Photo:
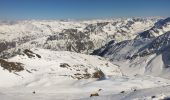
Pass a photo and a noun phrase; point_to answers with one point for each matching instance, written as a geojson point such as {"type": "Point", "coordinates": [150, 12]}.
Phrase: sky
{"type": "Point", "coordinates": [82, 9]}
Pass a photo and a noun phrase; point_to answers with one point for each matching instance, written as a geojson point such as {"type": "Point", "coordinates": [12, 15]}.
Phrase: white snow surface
{"type": "Point", "coordinates": [63, 75]}
{"type": "Point", "coordinates": [99, 32]}
{"type": "Point", "coordinates": [49, 81]}
{"type": "Point", "coordinates": [49, 66]}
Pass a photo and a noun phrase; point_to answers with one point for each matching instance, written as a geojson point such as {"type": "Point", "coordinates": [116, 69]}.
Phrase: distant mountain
{"type": "Point", "coordinates": [77, 36]}
{"type": "Point", "coordinates": [160, 27]}
{"type": "Point", "coordinates": [146, 54]}
{"type": "Point", "coordinates": [51, 59]}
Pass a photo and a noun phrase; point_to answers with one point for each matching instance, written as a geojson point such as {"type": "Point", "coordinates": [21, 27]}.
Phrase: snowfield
{"type": "Point", "coordinates": [50, 81]}
{"type": "Point", "coordinates": [66, 90]}
{"type": "Point", "coordinates": [56, 64]}
{"type": "Point", "coordinates": [113, 59]}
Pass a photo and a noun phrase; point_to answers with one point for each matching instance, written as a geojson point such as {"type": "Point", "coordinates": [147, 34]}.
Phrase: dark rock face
{"type": "Point", "coordinates": [158, 45]}
{"type": "Point", "coordinates": [11, 66]}
{"type": "Point", "coordinates": [74, 40]}
{"type": "Point", "coordinates": [94, 94]}
{"type": "Point", "coordinates": [158, 25]}
{"type": "Point", "coordinates": [103, 50]}
{"type": "Point", "coordinates": [112, 50]}
{"type": "Point", "coordinates": [6, 45]}
{"type": "Point", "coordinates": [31, 54]}
{"type": "Point", "coordinates": [145, 34]}
{"type": "Point", "coordinates": [64, 65]}
{"type": "Point", "coordinates": [14, 44]}
{"type": "Point", "coordinates": [95, 27]}
{"type": "Point", "coordinates": [98, 74]}
{"type": "Point", "coordinates": [162, 22]}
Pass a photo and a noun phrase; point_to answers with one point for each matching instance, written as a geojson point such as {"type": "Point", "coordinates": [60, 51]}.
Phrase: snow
{"type": "Point", "coordinates": [143, 55]}
{"type": "Point", "coordinates": [99, 31]}
{"type": "Point", "coordinates": [72, 89]}
{"type": "Point", "coordinates": [66, 75]}
{"type": "Point", "coordinates": [50, 66]}
{"type": "Point", "coordinates": [50, 81]}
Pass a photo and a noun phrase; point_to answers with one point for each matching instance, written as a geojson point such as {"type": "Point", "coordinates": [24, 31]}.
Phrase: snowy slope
{"type": "Point", "coordinates": [63, 75]}
{"type": "Point", "coordinates": [159, 93]}
{"type": "Point", "coordinates": [55, 65]}
{"type": "Point", "coordinates": [110, 89]}
{"type": "Point", "coordinates": [77, 36]}
{"type": "Point", "coordinates": [159, 28]}
{"type": "Point", "coordinates": [146, 54]}
{"type": "Point", "coordinates": [38, 59]}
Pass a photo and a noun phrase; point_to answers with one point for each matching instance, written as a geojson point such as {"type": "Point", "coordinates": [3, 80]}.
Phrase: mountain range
{"type": "Point", "coordinates": [121, 59]}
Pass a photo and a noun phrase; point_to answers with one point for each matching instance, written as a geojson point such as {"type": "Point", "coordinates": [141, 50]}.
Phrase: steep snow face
{"type": "Point", "coordinates": [122, 50]}
{"type": "Point", "coordinates": [77, 36]}
{"type": "Point", "coordinates": [159, 28]}
{"type": "Point", "coordinates": [146, 54]}
{"type": "Point", "coordinates": [158, 45]}
{"type": "Point", "coordinates": [43, 67]}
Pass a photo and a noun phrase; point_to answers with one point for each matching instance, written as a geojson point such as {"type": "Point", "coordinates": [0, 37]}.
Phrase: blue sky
{"type": "Point", "coordinates": [82, 9]}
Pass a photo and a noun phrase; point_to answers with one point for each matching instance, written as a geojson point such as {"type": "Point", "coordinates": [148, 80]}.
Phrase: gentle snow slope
{"type": "Point", "coordinates": [54, 65]}
{"type": "Point", "coordinates": [59, 75]}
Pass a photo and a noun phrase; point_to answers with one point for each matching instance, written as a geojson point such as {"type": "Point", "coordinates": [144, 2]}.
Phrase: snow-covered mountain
{"type": "Point", "coordinates": [40, 64]}
{"type": "Point", "coordinates": [77, 36]}
{"type": "Point", "coordinates": [159, 28]}
{"type": "Point", "coordinates": [41, 74]}
{"type": "Point", "coordinates": [148, 53]}
{"type": "Point", "coordinates": [49, 60]}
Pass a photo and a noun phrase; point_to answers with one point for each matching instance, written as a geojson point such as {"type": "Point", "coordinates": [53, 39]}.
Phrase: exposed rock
{"type": "Point", "coordinates": [11, 66]}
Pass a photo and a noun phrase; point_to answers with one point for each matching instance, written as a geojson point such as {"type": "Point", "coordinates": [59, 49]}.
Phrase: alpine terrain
{"type": "Point", "coordinates": [100, 59]}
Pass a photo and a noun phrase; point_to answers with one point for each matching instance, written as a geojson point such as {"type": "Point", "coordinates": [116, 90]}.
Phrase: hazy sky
{"type": "Point", "coordinates": [82, 9]}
